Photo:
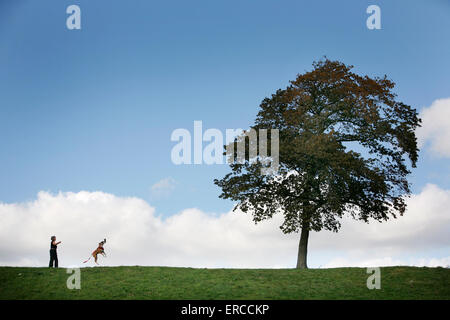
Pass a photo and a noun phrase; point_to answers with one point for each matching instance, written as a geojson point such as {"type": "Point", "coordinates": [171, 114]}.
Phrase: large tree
{"type": "Point", "coordinates": [344, 141]}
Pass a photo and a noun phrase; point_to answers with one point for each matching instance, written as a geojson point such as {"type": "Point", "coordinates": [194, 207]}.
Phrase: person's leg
{"type": "Point", "coordinates": [52, 258]}
{"type": "Point", "coordinates": [50, 264]}
{"type": "Point", "coordinates": [56, 260]}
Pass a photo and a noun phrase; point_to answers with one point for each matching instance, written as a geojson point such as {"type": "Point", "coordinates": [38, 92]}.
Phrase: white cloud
{"type": "Point", "coordinates": [137, 236]}
{"type": "Point", "coordinates": [435, 130]}
{"type": "Point", "coordinates": [163, 188]}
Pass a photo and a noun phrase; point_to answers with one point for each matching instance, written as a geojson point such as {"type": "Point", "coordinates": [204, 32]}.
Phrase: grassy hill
{"type": "Point", "coordinates": [187, 283]}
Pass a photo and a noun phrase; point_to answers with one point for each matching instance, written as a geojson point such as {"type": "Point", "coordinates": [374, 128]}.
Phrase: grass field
{"type": "Point", "coordinates": [188, 283]}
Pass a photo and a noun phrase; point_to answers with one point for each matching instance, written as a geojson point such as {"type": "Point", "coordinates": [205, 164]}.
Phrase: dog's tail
{"type": "Point", "coordinates": [87, 259]}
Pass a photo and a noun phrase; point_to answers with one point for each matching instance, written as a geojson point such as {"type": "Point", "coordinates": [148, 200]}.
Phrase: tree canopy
{"type": "Point", "coordinates": [344, 143]}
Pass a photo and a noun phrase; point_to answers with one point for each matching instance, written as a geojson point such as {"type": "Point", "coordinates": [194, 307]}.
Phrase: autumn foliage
{"type": "Point", "coordinates": [344, 147]}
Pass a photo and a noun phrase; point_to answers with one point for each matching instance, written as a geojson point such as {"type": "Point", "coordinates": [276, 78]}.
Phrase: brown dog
{"type": "Point", "coordinates": [99, 250]}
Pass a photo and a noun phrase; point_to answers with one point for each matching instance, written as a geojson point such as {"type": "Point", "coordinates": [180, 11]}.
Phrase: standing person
{"type": "Point", "coordinates": [53, 253]}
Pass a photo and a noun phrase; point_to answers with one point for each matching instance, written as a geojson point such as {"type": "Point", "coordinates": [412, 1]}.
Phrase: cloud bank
{"type": "Point", "coordinates": [435, 130]}
{"type": "Point", "coordinates": [191, 238]}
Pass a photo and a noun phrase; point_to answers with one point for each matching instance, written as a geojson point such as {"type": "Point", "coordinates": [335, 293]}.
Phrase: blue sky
{"type": "Point", "coordinates": [93, 109]}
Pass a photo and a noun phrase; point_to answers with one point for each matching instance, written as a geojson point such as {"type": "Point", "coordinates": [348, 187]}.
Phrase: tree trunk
{"type": "Point", "coordinates": [303, 249]}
